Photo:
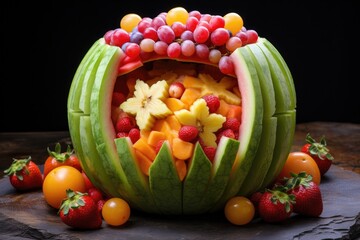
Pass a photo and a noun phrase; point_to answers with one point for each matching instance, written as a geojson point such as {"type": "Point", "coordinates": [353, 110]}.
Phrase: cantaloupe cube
{"type": "Point", "coordinates": [158, 125]}
{"type": "Point", "coordinates": [181, 168]}
{"type": "Point", "coordinates": [142, 146]}
{"type": "Point", "coordinates": [182, 150]}
{"type": "Point", "coordinates": [223, 108]}
{"type": "Point", "coordinates": [190, 95]}
{"type": "Point", "coordinates": [234, 112]}
{"type": "Point", "coordinates": [144, 134]}
{"type": "Point", "coordinates": [143, 161]}
{"type": "Point", "coordinates": [191, 82]}
{"type": "Point", "coordinates": [174, 104]}
{"type": "Point", "coordinates": [173, 122]}
{"type": "Point", "coordinates": [155, 137]}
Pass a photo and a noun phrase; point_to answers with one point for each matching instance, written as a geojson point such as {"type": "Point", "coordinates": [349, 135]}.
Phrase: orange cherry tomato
{"type": "Point", "coordinates": [58, 180]}
{"type": "Point", "coordinates": [116, 211]}
{"type": "Point", "coordinates": [239, 210]}
{"type": "Point", "coordinates": [300, 162]}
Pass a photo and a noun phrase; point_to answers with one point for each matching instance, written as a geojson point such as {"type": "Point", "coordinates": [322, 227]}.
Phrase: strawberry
{"type": "Point", "coordinates": [95, 193]}
{"type": "Point", "coordinates": [255, 199]}
{"type": "Point", "coordinates": [80, 211]}
{"type": "Point", "coordinates": [319, 152]}
{"type": "Point", "coordinates": [209, 152]}
{"type": "Point", "coordinates": [308, 199]}
{"type": "Point", "coordinates": [124, 124]}
{"type": "Point", "coordinates": [232, 123]}
{"type": "Point", "coordinates": [24, 174]}
{"type": "Point", "coordinates": [134, 134]}
{"type": "Point", "coordinates": [212, 102]}
{"type": "Point", "coordinates": [188, 133]}
{"type": "Point", "coordinates": [275, 205]}
{"type": "Point", "coordinates": [226, 132]}
{"type": "Point", "coordinates": [117, 99]}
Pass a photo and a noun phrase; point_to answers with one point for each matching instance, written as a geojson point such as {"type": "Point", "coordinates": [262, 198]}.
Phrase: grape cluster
{"type": "Point", "coordinates": [179, 33]}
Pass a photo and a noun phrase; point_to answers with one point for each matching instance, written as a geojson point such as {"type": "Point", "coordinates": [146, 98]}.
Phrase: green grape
{"type": "Point", "coordinates": [177, 14]}
{"type": "Point", "coordinates": [233, 22]}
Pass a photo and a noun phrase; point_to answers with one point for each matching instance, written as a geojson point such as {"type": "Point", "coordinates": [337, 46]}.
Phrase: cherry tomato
{"type": "Point", "coordinates": [58, 181]}
{"type": "Point", "coordinates": [58, 158]}
{"type": "Point", "coordinates": [300, 162]}
{"type": "Point", "coordinates": [116, 211]}
{"type": "Point", "coordinates": [239, 210]}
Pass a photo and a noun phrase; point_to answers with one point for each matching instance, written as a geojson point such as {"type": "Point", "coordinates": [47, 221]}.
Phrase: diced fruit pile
{"type": "Point", "coordinates": [179, 33]}
{"type": "Point", "coordinates": [182, 107]}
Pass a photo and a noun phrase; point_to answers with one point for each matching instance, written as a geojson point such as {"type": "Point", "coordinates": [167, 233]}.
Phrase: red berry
{"type": "Point", "coordinates": [227, 133]}
{"type": "Point", "coordinates": [159, 145]}
{"type": "Point", "coordinates": [117, 99]}
{"type": "Point", "coordinates": [122, 134]}
{"type": "Point", "coordinates": [232, 123]}
{"type": "Point", "coordinates": [100, 204]}
{"type": "Point", "coordinates": [209, 152]}
{"type": "Point", "coordinates": [213, 102]}
{"type": "Point", "coordinates": [95, 194]}
{"type": "Point", "coordinates": [188, 133]}
{"type": "Point", "coordinates": [124, 124]}
{"type": "Point", "coordinates": [134, 135]}
{"type": "Point", "coordinates": [176, 89]}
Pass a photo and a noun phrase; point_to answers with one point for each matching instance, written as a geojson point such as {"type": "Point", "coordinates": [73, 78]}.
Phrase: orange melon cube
{"type": "Point", "coordinates": [158, 124]}
{"type": "Point", "coordinates": [142, 146]}
{"type": "Point", "coordinates": [155, 137]}
{"type": "Point", "coordinates": [190, 95]}
{"type": "Point", "coordinates": [173, 122]}
{"type": "Point", "coordinates": [181, 168]}
{"type": "Point", "coordinates": [174, 104]}
{"type": "Point", "coordinates": [143, 161]}
{"type": "Point", "coordinates": [182, 150]}
{"type": "Point", "coordinates": [223, 108]}
{"type": "Point", "coordinates": [144, 134]}
{"type": "Point", "coordinates": [190, 82]}
{"type": "Point", "coordinates": [234, 112]}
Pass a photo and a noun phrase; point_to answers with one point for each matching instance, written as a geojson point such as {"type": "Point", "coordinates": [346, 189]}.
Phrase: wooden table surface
{"type": "Point", "coordinates": [27, 216]}
{"type": "Point", "coordinates": [342, 138]}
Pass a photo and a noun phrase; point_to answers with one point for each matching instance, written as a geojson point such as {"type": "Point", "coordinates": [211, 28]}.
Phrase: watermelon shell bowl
{"type": "Point", "coordinates": [178, 113]}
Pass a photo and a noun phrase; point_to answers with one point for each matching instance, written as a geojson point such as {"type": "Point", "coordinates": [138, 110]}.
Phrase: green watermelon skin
{"type": "Point", "coordinates": [267, 130]}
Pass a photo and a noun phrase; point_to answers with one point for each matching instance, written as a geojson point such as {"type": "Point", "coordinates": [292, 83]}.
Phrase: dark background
{"type": "Point", "coordinates": [42, 46]}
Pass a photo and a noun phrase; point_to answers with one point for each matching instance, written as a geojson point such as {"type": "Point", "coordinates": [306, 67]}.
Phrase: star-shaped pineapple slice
{"type": "Point", "coordinates": [209, 85]}
{"type": "Point", "coordinates": [147, 104]}
{"type": "Point", "coordinates": [198, 115]}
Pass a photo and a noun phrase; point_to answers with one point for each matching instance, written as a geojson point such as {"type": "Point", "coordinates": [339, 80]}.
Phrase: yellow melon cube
{"type": "Point", "coordinates": [190, 95]}
{"type": "Point", "coordinates": [142, 146]}
{"type": "Point", "coordinates": [181, 168]}
{"type": "Point", "coordinates": [223, 108]}
{"type": "Point", "coordinates": [173, 122]}
{"type": "Point", "coordinates": [174, 104]}
{"type": "Point", "coordinates": [143, 161]}
{"type": "Point", "coordinates": [181, 149]}
{"type": "Point", "coordinates": [155, 137]}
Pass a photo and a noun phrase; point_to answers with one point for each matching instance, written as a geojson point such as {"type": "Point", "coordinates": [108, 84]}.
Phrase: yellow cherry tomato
{"type": "Point", "coordinates": [233, 22]}
{"type": "Point", "coordinates": [58, 180]}
{"type": "Point", "coordinates": [177, 14]}
{"type": "Point", "coordinates": [239, 210]}
{"type": "Point", "coordinates": [116, 211]}
{"type": "Point", "coordinates": [129, 21]}
{"type": "Point", "coordinates": [300, 162]}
